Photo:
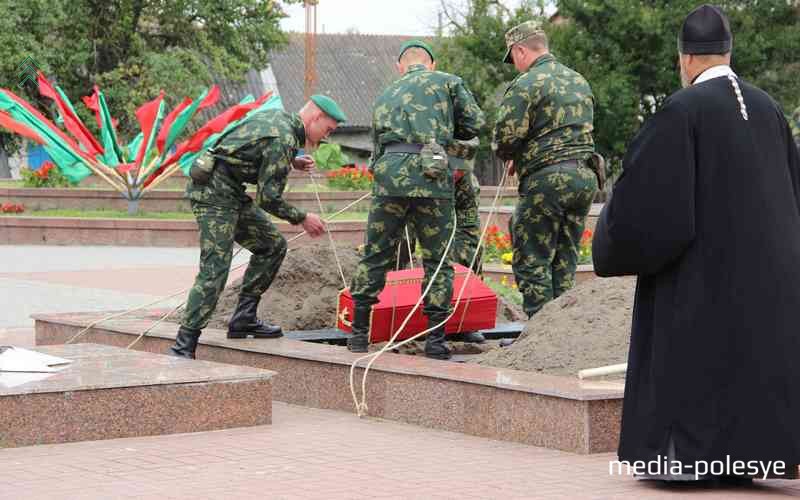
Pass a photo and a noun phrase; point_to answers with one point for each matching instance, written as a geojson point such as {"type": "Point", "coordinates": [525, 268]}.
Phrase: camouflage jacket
{"type": "Point", "coordinates": [545, 117]}
{"type": "Point", "coordinates": [258, 151]}
{"type": "Point", "coordinates": [420, 107]}
{"type": "Point", "coordinates": [794, 123]}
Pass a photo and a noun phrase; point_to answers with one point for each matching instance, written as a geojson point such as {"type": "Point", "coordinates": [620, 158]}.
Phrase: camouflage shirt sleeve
{"type": "Point", "coordinates": [272, 178]}
{"type": "Point", "coordinates": [513, 119]}
{"type": "Point", "coordinates": [469, 119]}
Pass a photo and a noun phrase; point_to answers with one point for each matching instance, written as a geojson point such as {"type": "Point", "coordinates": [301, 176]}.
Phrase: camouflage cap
{"type": "Point", "coordinates": [519, 33]}
{"type": "Point", "coordinates": [416, 43]}
{"type": "Point", "coordinates": [329, 106]}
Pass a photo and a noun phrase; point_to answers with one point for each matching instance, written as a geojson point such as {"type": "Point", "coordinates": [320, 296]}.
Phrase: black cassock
{"type": "Point", "coordinates": [707, 215]}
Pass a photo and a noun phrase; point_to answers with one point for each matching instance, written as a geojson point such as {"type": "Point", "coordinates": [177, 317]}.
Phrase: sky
{"type": "Point", "coordinates": [385, 17]}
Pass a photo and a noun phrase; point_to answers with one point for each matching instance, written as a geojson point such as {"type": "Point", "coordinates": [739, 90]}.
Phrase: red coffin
{"type": "Point", "coordinates": [478, 306]}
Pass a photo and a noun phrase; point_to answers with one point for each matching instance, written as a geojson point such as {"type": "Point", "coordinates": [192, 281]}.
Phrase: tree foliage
{"type": "Point", "coordinates": [475, 48]}
{"type": "Point", "coordinates": [134, 48]}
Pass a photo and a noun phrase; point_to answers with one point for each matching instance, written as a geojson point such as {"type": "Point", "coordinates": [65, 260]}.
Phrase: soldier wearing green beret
{"type": "Point", "coordinates": [415, 120]}
{"type": "Point", "coordinates": [260, 150]}
{"type": "Point", "coordinates": [544, 129]}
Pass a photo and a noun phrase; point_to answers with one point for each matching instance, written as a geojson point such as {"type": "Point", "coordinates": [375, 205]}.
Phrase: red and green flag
{"type": "Point", "coordinates": [72, 122]}
{"type": "Point", "coordinates": [63, 150]}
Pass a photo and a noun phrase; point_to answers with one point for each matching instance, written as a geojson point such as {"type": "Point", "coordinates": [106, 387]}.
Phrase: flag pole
{"type": "Point", "coordinates": [166, 173]}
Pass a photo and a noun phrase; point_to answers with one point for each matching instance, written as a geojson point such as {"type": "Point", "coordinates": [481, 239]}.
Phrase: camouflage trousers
{"type": "Point", "coordinates": [220, 227]}
{"type": "Point", "coordinates": [468, 226]}
{"type": "Point", "coordinates": [432, 220]}
{"type": "Point", "coordinates": [546, 230]}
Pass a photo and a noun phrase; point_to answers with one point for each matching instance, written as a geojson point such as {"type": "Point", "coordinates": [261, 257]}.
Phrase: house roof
{"type": "Point", "coordinates": [351, 68]}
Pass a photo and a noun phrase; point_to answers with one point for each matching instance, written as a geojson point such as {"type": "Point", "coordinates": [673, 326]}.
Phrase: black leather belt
{"type": "Point", "coordinates": [402, 147]}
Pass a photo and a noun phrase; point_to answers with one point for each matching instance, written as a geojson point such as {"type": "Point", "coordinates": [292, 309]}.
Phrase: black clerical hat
{"type": "Point", "coordinates": [705, 30]}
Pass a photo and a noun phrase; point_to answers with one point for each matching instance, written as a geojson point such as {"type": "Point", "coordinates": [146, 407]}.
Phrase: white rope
{"type": "Point", "coordinates": [183, 291]}
{"type": "Point", "coordinates": [361, 406]}
{"type": "Point", "coordinates": [738, 92]}
{"type": "Point", "coordinates": [330, 236]}
{"type": "Point", "coordinates": [408, 245]}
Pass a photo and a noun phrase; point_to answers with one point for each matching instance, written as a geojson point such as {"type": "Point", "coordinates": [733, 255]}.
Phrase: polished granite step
{"type": "Point", "coordinates": [107, 392]}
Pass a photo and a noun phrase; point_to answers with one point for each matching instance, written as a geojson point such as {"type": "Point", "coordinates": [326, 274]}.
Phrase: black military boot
{"type": "Point", "coordinates": [359, 339]}
{"type": "Point", "coordinates": [185, 343]}
{"type": "Point", "coordinates": [244, 321]}
{"type": "Point", "coordinates": [435, 346]}
{"type": "Point", "coordinates": [474, 337]}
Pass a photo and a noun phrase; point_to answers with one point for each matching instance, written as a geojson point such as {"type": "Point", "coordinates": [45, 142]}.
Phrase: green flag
{"type": "Point", "coordinates": [188, 159]}
{"type": "Point", "coordinates": [62, 150]}
{"type": "Point", "coordinates": [112, 155]}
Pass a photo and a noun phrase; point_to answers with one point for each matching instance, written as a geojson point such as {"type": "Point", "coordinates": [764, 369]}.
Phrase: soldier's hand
{"type": "Point", "coordinates": [313, 225]}
{"type": "Point", "coordinates": [510, 167]}
{"type": "Point", "coordinates": [304, 163]}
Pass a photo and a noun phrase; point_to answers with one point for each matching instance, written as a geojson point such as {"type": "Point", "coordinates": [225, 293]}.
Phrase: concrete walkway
{"type": "Point", "coordinates": [306, 453]}
{"type": "Point", "coordinates": [64, 279]}
{"type": "Point", "coordinates": [320, 454]}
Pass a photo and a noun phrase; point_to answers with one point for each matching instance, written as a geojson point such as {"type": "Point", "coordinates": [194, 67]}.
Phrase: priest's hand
{"type": "Point", "coordinates": [304, 163]}
{"type": "Point", "coordinates": [313, 225]}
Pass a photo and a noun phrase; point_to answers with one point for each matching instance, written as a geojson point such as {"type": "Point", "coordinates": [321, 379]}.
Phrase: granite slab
{"type": "Point", "coordinates": [545, 410]}
{"type": "Point", "coordinates": [109, 392]}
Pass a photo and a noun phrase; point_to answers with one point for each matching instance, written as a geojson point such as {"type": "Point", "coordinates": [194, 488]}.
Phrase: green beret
{"type": "Point", "coordinates": [330, 107]}
{"type": "Point", "coordinates": [416, 43]}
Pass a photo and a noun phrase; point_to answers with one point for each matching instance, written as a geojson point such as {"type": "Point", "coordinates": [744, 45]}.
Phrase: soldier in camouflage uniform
{"type": "Point", "coordinates": [261, 150]}
{"type": "Point", "coordinates": [544, 128]}
{"type": "Point", "coordinates": [468, 223]}
{"type": "Point", "coordinates": [466, 200]}
{"type": "Point", "coordinates": [413, 120]}
{"type": "Point", "coordinates": [794, 122]}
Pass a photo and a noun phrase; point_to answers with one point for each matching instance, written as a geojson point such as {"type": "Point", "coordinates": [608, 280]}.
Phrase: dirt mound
{"type": "Point", "coordinates": [305, 291]}
{"type": "Point", "coordinates": [587, 327]}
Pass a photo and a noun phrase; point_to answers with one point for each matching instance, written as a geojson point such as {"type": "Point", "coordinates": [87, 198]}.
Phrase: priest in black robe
{"type": "Point", "coordinates": [707, 215]}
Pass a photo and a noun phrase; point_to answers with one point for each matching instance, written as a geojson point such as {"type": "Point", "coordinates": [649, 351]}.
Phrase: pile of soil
{"type": "Point", "coordinates": [587, 327]}
{"type": "Point", "coordinates": [304, 294]}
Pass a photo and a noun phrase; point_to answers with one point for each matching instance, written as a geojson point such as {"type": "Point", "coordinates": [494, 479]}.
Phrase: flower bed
{"type": "Point", "coordinates": [350, 178]}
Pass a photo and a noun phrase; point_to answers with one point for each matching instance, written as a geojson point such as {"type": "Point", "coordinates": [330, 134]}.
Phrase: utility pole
{"type": "Point", "coordinates": [310, 48]}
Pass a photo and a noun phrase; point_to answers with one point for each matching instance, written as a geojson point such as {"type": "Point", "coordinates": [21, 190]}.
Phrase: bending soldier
{"type": "Point", "coordinates": [261, 150]}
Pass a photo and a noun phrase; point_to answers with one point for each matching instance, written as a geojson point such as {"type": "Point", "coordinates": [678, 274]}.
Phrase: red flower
{"type": "Point", "coordinates": [586, 238]}
{"type": "Point", "coordinates": [44, 170]}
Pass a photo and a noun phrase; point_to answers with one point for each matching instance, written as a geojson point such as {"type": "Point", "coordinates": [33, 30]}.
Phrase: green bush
{"type": "Point", "coordinates": [330, 157]}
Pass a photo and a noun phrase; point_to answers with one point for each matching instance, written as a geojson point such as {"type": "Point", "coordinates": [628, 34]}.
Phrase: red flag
{"type": "Point", "coordinates": [211, 98]}
{"type": "Point", "coordinates": [147, 114]}
{"type": "Point", "coordinates": [164, 131]}
{"type": "Point", "coordinates": [71, 121]}
{"type": "Point", "coordinates": [92, 102]}
{"type": "Point", "coordinates": [18, 128]}
{"type": "Point", "coordinates": [57, 131]}
{"type": "Point", "coordinates": [213, 126]}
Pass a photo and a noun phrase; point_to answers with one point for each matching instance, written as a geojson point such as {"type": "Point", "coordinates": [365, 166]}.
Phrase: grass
{"type": "Point", "coordinates": [123, 214]}
{"type": "Point", "coordinates": [510, 293]}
